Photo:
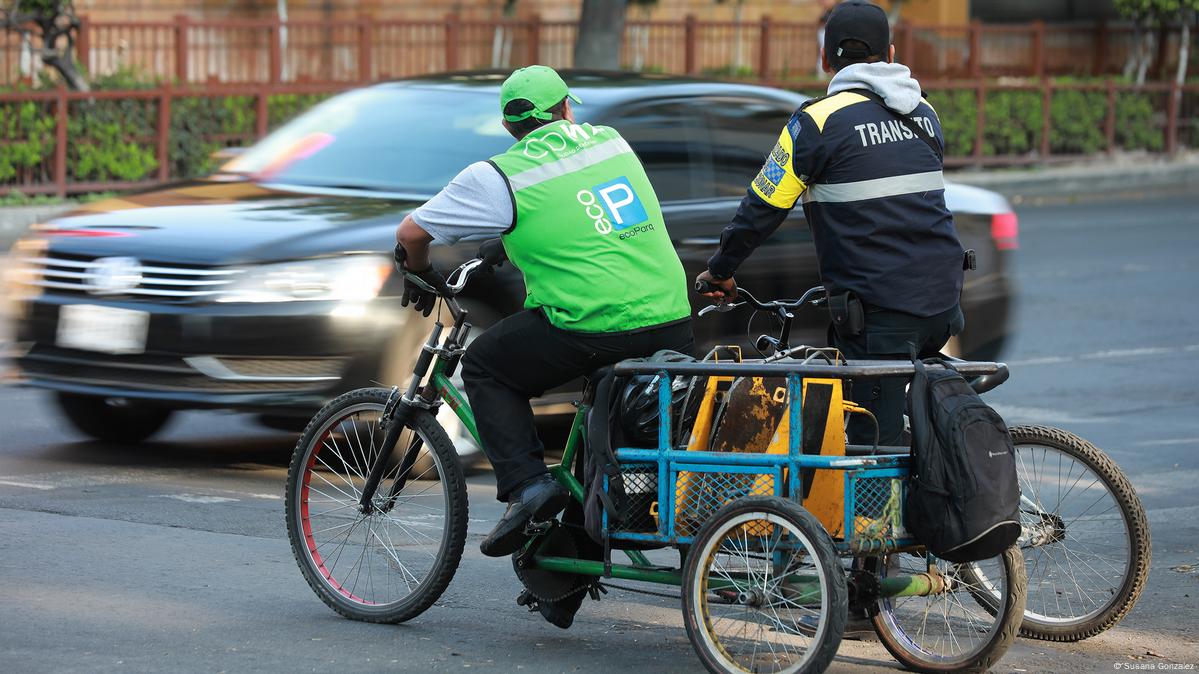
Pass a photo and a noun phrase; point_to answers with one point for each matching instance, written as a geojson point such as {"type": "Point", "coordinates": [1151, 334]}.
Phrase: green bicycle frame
{"type": "Point", "coordinates": [641, 568]}
{"type": "Point", "coordinates": [561, 471]}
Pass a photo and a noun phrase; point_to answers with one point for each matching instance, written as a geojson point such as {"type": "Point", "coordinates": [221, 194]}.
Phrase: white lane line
{"type": "Point", "coordinates": [1163, 443]}
{"type": "Point", "coordinates": [27, 485]}
{"type": "Point", "coordinates": [1037, 415]}
{"type": "Point", "coordinates": [269, 497]}
{"type": "Point", "coordinates": [1107, 355]}
{"type": "Point", "coordinates": [195, 498]}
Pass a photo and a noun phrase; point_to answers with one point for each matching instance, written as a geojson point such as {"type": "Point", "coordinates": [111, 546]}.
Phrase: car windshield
{"type": "Point", "coordinates": [399, 139]}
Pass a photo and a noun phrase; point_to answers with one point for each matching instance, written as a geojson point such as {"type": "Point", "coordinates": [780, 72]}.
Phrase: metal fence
{"type": "Point", "coordinates": [264, 50]}
{"type": "Point", "coordinates": [972, 112]}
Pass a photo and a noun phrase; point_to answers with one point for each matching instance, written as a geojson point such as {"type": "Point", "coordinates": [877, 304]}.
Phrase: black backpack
{"type": "Point", "coordinates": [631, 493]}
{"type": "Point", "coordinates": [963, 500]}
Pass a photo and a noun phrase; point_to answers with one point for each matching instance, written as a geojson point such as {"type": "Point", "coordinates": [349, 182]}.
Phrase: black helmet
{"type": "Point", "coordinates": [639, 403]}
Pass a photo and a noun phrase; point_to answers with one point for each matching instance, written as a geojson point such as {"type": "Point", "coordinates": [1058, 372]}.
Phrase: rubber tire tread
{"type": "Point", "coordinates": [992, 653]}
{"type": "Point", "coordinates": [456, 511]}
{"type": "Point", "coordinates": [92, 416]}
{"type": "Point", "coordinates": [825, 553]}
{"type": "Point", "coordinates": [1134, 515]}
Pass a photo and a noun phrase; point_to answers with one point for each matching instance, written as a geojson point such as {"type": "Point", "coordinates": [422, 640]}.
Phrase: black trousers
{"type": "Point", "coordinates": [890, 335]}
{"type": "Point", "coordinates": [522, 357]}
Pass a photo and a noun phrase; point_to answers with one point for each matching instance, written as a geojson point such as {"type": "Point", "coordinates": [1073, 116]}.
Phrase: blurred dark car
{"type": "Point", "coordinates": [267, 287]}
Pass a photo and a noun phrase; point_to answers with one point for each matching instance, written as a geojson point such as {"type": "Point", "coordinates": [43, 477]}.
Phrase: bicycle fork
{"type": "Point", "coordinates": [394, 426]}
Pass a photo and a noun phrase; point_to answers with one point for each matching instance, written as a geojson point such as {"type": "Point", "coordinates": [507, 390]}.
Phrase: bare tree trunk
{"type": "Point", "coordinates": [1148, 40]}
{"type": "Point", "coordinates": [281, 11]}
{"type": "Point", "coordinates": [61, 60]}
{"type": "Point", "coordinates": [1134, 54]}
{"type": "Point", "coordinates": [1184, 54]}
{"type": "Point", "coordinates": [1184, 50]}
{"type": "Point", "coordinates": [601, 29]}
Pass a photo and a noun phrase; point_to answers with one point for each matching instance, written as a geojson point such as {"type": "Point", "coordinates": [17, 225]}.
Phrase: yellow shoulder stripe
{"type": "Point", "coordinates": [777, 183]}
{"type": "Point", "coordinates": [820, 111]}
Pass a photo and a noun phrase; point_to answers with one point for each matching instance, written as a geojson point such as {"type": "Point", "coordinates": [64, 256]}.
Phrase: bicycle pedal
{"type": "Point", "coordinates": [526, 598]}
{"type": "Point", "coordinates": [538, 528]}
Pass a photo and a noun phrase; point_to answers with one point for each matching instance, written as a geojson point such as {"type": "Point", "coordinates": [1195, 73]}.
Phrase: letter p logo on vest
{"type": "Point", "coordinates": [623, 205]}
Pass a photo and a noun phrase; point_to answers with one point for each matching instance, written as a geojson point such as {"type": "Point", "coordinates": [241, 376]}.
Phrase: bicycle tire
{"type": "Point", "coordinates": [315, 566]}
{"type": "Point", "coordinates": [909, 649]}
{"type": "Point", "coordinates": [713, 652]}
{"type": "Point", "coordinates": [1132, 512]}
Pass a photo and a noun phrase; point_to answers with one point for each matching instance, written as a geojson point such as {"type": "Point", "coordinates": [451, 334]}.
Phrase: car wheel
{"type": "Point", "coordinates": [112, 419]}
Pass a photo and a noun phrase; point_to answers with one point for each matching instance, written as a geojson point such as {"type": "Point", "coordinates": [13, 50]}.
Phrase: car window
{"type": "Point", "coordinates": [410, 139]}
{"type": "Point", "coordinates": [665, 136]}
{"type": "Point", "coordinates": [741, 133]}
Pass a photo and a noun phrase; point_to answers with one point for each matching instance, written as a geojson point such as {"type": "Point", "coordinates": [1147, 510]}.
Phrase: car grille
{"type": "Point", "coordinates": [171, 373]}
{"type": "Point", "coordinates": [82, 275]}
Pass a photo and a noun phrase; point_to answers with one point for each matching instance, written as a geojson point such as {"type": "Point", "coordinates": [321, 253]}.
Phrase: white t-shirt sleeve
{"type": "Point", "coordinates": [477, 204]}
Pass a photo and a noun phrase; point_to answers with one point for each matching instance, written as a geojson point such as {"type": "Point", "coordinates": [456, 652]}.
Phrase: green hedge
{"type": "Point", "coordinates": [1015, 122]}
{"type": "Point", "coordinates": [114, 140]}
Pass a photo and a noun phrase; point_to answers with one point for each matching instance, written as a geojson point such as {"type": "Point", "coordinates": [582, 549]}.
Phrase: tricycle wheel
{"type": "Point", "coordinates": [948, 631]}
{"type": "Point", "coordinates": [763, 590]}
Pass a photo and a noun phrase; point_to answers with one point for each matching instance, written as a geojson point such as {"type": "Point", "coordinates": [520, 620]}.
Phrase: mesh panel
{"type": "Point", "coordinates": [877, 511]}
{"type": "Point", "coordinates": [641, 490]}
{"type": "Point", "coordinates": [699, 495]}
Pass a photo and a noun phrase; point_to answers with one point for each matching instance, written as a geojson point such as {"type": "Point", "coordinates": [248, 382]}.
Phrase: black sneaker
{"type": "Point", "coordinates": [537, 501]}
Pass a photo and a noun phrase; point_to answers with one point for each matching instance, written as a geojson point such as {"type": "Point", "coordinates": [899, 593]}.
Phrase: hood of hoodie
{"type": "Point", "coordinates": [891, 81]}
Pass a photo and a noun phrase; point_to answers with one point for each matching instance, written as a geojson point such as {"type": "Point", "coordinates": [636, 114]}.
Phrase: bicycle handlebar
{"type": "Point", "coordinates": [491, 255]}
{"type": "Point", "coordinates": [757, 305]}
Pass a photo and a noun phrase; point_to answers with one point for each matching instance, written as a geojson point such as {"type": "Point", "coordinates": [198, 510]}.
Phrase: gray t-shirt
{"type": "Point", "coordinates": [475, 205]}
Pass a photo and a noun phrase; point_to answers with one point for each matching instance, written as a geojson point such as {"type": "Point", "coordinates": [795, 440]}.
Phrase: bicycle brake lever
{"type": "Point", "coordinates": [722, 308]}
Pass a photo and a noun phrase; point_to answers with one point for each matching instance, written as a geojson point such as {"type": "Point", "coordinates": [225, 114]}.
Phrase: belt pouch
{"type": "Point", "coordinates": [848, 316]}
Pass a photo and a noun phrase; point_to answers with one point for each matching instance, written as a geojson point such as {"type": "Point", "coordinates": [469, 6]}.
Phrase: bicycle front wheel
{"type": "Point", "coordinates": [1086, 536]}
{"type": "Point", "coordinates": [392, 564]}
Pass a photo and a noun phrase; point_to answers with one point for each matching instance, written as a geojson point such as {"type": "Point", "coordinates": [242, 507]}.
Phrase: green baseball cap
{"type": "Point", "coordinates": [540, 85]}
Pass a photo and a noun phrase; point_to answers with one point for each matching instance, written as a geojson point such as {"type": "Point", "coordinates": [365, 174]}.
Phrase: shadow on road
{"type": "Point", "coordinates": [244, 453]}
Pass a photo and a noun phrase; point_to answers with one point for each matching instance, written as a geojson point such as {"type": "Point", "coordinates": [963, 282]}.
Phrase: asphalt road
{"type": "Point", "coordinates": [172, 555]}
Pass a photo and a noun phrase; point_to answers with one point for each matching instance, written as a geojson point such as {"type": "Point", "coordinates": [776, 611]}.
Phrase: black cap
{"type": "Point", "coordinates": [856, 20]}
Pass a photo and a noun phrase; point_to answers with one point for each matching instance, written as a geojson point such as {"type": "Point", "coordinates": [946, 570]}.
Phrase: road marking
{"type": "Point", "coordinates": [27, 485]}
{"type": "Point", "coordinates": [194, 498]}
{"type": "Point", "coordinates": [1163, 443]}
{"type": "Point", "coordinates": [1043, 416]}
{"type": "Point", "coordinates": [1107, 355]}
{"type": "Point", "coordinates": [269, 497]}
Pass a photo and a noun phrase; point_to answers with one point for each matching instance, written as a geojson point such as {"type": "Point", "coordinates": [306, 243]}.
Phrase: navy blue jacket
{"type": "Point", "coordinates": [874, 196]}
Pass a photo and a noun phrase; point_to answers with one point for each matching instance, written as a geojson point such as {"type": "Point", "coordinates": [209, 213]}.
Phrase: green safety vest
{"type": "Point", "coordinates": [588, 232]}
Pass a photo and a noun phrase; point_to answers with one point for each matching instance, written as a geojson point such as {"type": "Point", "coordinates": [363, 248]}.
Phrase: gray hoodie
{"type": "Point", "coordinates": [891, 81]}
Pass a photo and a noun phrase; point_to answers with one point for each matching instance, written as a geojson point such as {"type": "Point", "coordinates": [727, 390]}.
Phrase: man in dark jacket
{"type": "Point", "coordinates": [866, 160]}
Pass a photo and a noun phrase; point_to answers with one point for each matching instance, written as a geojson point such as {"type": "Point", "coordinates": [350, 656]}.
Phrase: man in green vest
{"type": "Point", "coordinates": [579, 218]}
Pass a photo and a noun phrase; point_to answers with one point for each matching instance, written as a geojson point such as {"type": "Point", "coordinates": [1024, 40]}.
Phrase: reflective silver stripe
{"type": "Point", "coordinates": [840, 193]}
{"type": "Point", "coordinates": [575, 162]}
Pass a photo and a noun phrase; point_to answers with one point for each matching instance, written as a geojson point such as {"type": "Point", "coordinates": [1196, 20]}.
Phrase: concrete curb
{"type": "Point", "coordinates": [1110, 177]}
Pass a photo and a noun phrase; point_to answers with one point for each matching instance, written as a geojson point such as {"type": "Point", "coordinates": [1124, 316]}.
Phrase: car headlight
{"type": "Point", "coordinates": [352, 278]}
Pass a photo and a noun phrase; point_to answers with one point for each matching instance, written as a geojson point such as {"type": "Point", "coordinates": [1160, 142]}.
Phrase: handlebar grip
{"type": "Point", "coordinates": [989, 381]}
{"type": "Point", "coordinates": [702, 287]}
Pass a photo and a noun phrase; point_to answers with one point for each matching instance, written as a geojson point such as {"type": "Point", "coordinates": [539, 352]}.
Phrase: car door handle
{"type": "Point", "coordinates": [700, 241]}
